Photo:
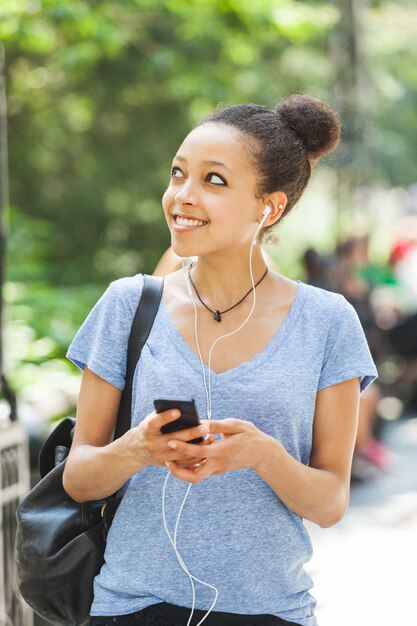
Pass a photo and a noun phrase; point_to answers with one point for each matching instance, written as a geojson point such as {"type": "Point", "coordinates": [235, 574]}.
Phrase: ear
{"type": "Point", "coordinates": [277, 200]}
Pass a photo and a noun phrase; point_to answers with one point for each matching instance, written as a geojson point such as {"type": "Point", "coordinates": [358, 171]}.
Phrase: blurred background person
{"type": "Point", "coordinates": [316, 268]}
{"type": "Point", "coordinates": [403, 330]}
{"type": "Point", "coordinates": [345, 272]}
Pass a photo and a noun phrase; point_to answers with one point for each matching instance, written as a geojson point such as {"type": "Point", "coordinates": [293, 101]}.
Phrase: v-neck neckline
{"type": "Point", "coordinates": [280, 335]}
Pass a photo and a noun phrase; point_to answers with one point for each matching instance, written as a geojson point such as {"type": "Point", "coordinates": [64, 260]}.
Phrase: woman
{"type": "Point", "coordinates": [280, 391]}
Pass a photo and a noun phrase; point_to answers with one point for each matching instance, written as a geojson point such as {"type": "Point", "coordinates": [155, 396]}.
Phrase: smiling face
{"type": "Point", "coordinates": [210, 204]}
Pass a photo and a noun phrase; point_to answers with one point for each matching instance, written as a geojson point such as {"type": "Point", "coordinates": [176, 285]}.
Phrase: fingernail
{"type": "Point", "coordinates": [175, 413]}
{"type": "Point", "coordinates": [172, 444]}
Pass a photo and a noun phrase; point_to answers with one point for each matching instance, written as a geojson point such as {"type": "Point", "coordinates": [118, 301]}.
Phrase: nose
{"type": "Point", "coordinates": [186, 194]}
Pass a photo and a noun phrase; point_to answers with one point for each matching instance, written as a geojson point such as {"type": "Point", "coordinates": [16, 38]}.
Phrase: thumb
{"type": "Point", "coordinates": [224, 427]}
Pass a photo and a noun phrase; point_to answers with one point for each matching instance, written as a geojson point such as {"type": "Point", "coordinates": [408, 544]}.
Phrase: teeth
{"type": "Point", "coordinates": [185, 221]}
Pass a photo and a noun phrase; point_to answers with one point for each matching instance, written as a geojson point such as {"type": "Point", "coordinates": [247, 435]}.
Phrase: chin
{"type": "Point", "coordinates": [183, 251]}
{"type": "Point", "coordinates": [193, 257]}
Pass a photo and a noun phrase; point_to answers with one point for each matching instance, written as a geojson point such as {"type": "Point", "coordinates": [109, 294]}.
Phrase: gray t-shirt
{"type": "Point", "coordinates": [235, 532]}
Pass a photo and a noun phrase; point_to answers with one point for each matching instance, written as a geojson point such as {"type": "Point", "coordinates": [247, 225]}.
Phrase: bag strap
{"type": "Point", "coordinates": [141, 327]}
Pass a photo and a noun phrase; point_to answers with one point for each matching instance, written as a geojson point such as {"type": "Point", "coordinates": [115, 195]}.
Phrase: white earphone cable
{"type": "Point", "coordinates": [207, 388]}
{"type": "Point", "coordinates": [173, 542]}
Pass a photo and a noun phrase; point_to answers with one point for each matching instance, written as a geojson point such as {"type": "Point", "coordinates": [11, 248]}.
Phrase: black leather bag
{"type": "Point", "coordinates": [59, 542]}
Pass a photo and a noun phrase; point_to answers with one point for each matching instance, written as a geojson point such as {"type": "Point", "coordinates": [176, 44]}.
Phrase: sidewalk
{"type": "Point", "coordinates": [364, 568]}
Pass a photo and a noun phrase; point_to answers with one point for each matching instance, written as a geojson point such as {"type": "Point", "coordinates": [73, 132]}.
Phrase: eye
{"type": "Point", "coordinates": [216, 179]}
{"type": "Point", "coordinates": [176, 172]}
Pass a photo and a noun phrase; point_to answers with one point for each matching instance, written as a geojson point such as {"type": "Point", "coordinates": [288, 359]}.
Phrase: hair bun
{"type": "Point", "coordinates": [314, 121]}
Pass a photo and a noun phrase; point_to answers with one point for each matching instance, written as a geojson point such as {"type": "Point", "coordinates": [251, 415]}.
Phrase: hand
{"type": "Point", "coordinates": [237, 449]}
{"type": "Point", "coordinates": [153, 444]}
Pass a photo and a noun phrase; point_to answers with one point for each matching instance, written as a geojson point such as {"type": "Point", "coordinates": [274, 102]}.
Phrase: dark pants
{"type": "Point", "coordinates": [164, 614]}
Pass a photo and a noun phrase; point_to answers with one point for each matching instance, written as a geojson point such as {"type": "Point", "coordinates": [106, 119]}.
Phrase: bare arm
{"type": "Point", "coordinates": [319, 491]}
{"type": "Point", "coordinates": [97, 466]}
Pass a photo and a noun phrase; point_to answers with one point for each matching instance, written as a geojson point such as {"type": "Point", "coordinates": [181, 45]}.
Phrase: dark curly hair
{"type": "Point", "coordinates": [285, 142]}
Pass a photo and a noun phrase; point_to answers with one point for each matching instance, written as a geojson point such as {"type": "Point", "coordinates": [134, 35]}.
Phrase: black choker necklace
{"type": "Point", "coordinates": [217, 315]}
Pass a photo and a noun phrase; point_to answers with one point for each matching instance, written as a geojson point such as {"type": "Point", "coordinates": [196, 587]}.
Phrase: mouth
{"type": "Point", "coordinates": [187, 223]}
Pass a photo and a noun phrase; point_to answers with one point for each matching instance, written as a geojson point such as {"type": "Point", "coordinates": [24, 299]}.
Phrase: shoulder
{"type": "Point", "coordinates": [328, 312]}
{"type": "Point", "coordinates": [324, 302]}
{"type": "Point", "coordinates": [127, 285]}
{"type": "Point", "coordinates": [175, 288]}
{"type": "Point", "coordinates": [126, 292]}
{"type": "Point", "coordinates": [337, 319]}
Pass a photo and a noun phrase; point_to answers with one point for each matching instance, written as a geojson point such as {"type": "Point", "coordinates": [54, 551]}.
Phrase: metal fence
{"type": "Point", "coordinates": [14, 484]}
{"type": "Point", "coordinates": [14, 461]}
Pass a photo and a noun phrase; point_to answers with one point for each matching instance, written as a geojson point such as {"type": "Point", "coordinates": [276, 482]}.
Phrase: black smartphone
{"type": "Point", "coordinates": [188, 418]}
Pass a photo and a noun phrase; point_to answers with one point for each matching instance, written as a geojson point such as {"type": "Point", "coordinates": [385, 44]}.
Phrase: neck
{"type": "Point", "coordinates": [222, 281]}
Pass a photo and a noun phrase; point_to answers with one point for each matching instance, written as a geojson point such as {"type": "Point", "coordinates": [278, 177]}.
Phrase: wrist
{"type": "Point", "coordinates": [268, 451]}
{"type": "Point", "coordinates": [129, 448]}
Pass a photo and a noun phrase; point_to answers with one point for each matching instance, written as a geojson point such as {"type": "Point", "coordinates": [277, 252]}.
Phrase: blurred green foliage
{"type": "Point", "coordinates": [100, 94]}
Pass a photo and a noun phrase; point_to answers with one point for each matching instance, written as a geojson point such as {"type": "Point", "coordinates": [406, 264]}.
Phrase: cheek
{"type": "Point", "coordinates": [167, 199]}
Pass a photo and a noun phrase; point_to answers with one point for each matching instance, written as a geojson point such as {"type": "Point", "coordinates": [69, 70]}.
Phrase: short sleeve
{"type": "Point", "coordinates": [347, 353]}
{"type": "Point", "coordinates": [101, 342]}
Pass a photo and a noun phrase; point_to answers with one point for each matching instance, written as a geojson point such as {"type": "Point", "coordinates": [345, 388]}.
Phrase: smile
{"type": "Point", "coordinates": [187, 223]}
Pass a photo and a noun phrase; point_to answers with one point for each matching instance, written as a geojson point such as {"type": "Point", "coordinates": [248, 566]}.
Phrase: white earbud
{"type": "Point", "coordinates": [265, 214]}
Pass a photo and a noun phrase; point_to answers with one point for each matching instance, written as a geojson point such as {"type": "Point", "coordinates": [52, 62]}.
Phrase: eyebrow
{"type": "Point", "coordinates": [181, 158]}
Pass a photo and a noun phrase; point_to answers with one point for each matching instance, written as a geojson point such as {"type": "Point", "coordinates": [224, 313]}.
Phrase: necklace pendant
{"type": "Point", "coordinates": [217, 315]}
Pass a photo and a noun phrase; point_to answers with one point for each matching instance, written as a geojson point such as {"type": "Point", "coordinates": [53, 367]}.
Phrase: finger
{"type": "Point", "coordinates": [199, 463]}
{"type": "Point", "coordinates": [188, 461]}
{"type": "Point", "coordinates": [182, 458]}
{"type": "Point", "coordinates": [160, 419]}
{"type": "Point", "coordinates": [208, 440]}
{"type": "Point", "coordinates": [190, 449]}
{"type": "Point", "coordinates": [228, 426]}
{"type": "Point", "coordinates": [188, 433]}
{"type": "Point", "coordinates": [188, 475]}
{"type": "Point", "coordinates": [191, 464]}
{"type": "Point", "coordinates": [173, 455]}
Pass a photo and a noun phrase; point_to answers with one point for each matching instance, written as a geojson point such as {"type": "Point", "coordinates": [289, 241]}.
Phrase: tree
{"type": "Point", "coordinates": [102, 93]}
